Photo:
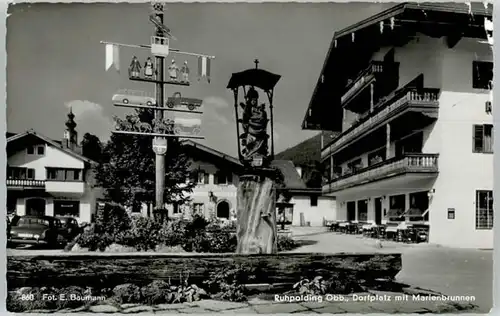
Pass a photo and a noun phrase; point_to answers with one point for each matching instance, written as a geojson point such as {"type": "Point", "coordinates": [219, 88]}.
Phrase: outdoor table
{"type": "Point", "coordinates": [391, 231]}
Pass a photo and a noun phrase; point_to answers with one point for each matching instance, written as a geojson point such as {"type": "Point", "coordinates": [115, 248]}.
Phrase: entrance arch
{"type": "Point", "coordinates": [223, 208]}
{"type": "Point", "coordinates": [35, 206]}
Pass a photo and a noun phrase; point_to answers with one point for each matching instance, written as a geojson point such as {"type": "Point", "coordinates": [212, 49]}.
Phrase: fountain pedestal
{"type": "Point", "coordinates": [256, 215]}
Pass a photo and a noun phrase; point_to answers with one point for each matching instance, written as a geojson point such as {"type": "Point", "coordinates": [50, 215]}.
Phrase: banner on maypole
{"type": "Point", "coordinates": [112, 57]}
{"type": "Point", "coordinates": [204, 67]}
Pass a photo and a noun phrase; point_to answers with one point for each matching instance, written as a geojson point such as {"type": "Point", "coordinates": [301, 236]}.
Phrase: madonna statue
{"type": "Point", "coordinates": [254, 123]}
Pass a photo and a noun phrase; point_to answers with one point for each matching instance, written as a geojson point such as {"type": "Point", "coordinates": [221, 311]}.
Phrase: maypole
{"type": "Point", "coordinates": [163, 127]}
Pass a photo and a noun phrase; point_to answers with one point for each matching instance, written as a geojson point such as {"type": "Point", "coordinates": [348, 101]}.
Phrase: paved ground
{"type": "Point", "coordinates": [351, 304]}
{"type": "Point", "coordinates": [445, 270]}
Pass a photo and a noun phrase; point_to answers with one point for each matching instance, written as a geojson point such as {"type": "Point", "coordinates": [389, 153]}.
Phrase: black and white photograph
{"type": "Point", "coordinates": [249, 158]}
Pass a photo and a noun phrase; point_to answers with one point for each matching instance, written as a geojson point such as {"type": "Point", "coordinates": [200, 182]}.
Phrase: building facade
{"type": "Point", "coordinates": [413, 106]}
{"type": "Point", "coordinates": [47, 177]}
{"type": "Point", "coordinates": [304, 206]}
{"type": "Point", "coordinates": [216, 178]}
{"type": "Point", "coordinates": [215, 195]}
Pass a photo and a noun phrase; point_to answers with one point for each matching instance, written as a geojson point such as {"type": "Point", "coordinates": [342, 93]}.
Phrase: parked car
{"type": "Point", "coordinates": [38, 230]}
{"type": "Point", "coordinates": [177, 100]}
{"type": "Point", "coordinates": [70, 227]}
{"type": "Point", "coordinates": [127, 96]}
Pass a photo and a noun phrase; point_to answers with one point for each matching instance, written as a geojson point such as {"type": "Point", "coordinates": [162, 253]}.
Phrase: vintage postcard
{"type": "Point", "coordinates": [249, 158]}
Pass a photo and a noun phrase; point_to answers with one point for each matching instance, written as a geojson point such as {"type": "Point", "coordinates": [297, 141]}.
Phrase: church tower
{"type": "Point", "coordinates": [70, 139]}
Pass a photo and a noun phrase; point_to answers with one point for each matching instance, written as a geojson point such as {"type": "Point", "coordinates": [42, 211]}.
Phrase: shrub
{"type": "Point", "coordinates": [144, 234]}
{"type": "Point", "coordinates": [197, 225]}
{"type": "Point", "coordinates": [228, 283]}
{"type": "Point", "coordinates": [172, 233]}
{"type": "Point", "coordinates": [157, 292]}
{"type": "Point", "coordinates": [113, 219]}
{"type": "Point", "coordinates": [316, 286]}
{"type": "Point", "coordinates": [94, 241]}
{"type": "Point", "coordinates": [221, 241]}
{"type": "Point", "coordinates": [127, 293]}
{"type": "Point", "coordinates": [286, 243]}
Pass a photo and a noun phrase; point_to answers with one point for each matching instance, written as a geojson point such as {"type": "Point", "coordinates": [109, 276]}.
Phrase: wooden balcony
{"type": "Point", "coordinates": [362, 80]}
{"type": "Point", "coordinates": [423, 100]}
{"type": "Point", "coordinates": [25, 183]}
{"type": "Point", "coordinates": [408, 164]}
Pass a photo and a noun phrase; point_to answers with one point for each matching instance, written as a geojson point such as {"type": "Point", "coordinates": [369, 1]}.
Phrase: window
{"type": "Point", "coordinates": [18, 173]}
{"type": "Point", "coordinates": [176, 208]}
{"type": "Point", "coordinates": [483, 138]}
{"type": "Point", "coordinates": [61, 174]}
{"type": "Point", "coordinates": [482, 75]}
{"type": "Point", "coordinates": [201, 177]}
{"type": "Point", "coordinates": [314, 200]}
{"type": "Point", "coordinates": [198, 208]}
{"type": "Point", "coordinates": [397, 206]}
{"type": "Point", "coordinates": [36, 150]}
{"type": "Point", "coordinates": [222, 177]}
{"type": "Point", "coordinates": [354, 166]}
{"type": "Point", "coordinates": [40, 150]}
{"type": "Point", "coordinates": [377, 156]}
{"type": "Point", "coordinates": [410, 144]}
{"type": "Point", "coordinates": [484, 209]}
{"type": "Point", "coordinates": [419, 204]}
{"type": "Point", "coordinates": [67, 208]}
{"type": "Point", "coordinates": [363, 210]}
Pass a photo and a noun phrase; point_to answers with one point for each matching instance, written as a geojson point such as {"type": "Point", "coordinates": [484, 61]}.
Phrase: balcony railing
{"type": "Point", "coordinates": [61, 186]}
{"type": "Point", "coordinates": [25, 183]}
{"type": "Point", "coordinates": [410, 163]}
{"type": "Point", "coordinates": [373, 68]}
{"type": "Point", "coordinates": [385, 109]}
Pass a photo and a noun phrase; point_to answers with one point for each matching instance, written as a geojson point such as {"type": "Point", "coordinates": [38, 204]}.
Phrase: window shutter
{"type": "Point", "coordinates": [477, 138]}
{"type": "Point", "coordinates": [216, 178]}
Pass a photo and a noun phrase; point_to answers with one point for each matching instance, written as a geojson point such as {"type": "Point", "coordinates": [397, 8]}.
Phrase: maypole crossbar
{"type": "Point", "coordinates": [173, 50]}
{"type": "Point", "coordinates": [161, 128]}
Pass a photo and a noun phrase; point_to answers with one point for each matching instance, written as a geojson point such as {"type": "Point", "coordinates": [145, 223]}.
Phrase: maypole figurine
{"type": "Point", "coordinates": [172, 71]}
{"type": "Point", "coordinates": [185, 72]}
{"type": "Point", "coordinates": [148, 68]}
{"type": "Point", "coordinates": [135, 68]}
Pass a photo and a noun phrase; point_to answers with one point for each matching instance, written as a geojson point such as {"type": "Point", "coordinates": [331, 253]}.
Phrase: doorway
{"type": "Point", "coordinates": [351, 211]}
{"type": "Point", "coordinates": [35, 207]}
{"type": "Point", "coordinates": [223, 210]}
{"type": "Point", "coordinates": [378, 211]}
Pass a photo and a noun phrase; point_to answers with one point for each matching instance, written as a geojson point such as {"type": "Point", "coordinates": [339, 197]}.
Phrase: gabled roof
{"type": "Point", "coordinates": [213, 152]}
{"type": "Point", "coordinates": [352, 47]}
{"type": "Point", "coordinates": [47, 140]}
{"type": "Point", "coordinates": [291, 178]}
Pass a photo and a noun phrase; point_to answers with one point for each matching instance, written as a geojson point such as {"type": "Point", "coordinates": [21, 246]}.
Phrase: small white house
{"type": "Point", "coordinates": [306, 206]}
{"type": "Point", "coordinates": [47, 177]}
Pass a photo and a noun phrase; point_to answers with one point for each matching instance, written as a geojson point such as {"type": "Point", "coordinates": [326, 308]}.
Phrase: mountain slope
{"type": "Point", "coordinates": [307, 155]}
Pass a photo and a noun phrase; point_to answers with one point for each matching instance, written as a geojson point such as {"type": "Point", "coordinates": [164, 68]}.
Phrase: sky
{"type": "Point", "coordinates": [55, 60]}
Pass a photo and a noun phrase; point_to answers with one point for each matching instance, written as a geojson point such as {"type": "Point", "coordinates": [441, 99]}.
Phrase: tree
{"type": "Point", "coordinates": [91, 147]}
{"type": "Point", "coordinates": [127, 170]}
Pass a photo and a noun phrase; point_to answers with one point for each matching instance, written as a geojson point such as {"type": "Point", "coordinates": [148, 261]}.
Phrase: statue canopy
{"type": "Point", "coordinates": [259, 78]}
